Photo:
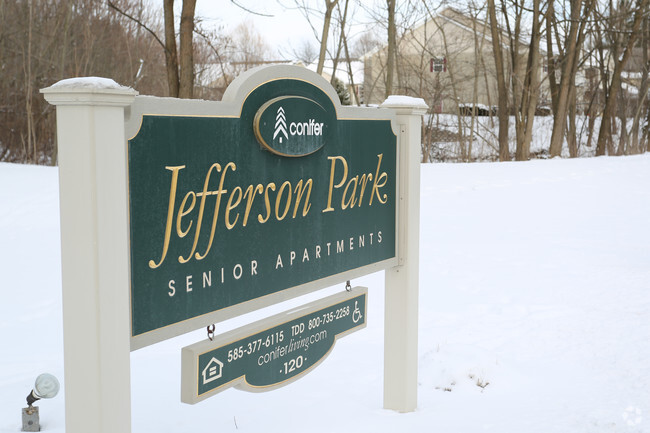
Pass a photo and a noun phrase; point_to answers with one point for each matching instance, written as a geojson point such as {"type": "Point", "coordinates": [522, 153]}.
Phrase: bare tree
{"type": "Point", "coordinates": [364, 44]}
{"type": "Point", "coordinates": [348, 59]}
{"type": "Point", "coordinates": [605, 132]}
{"type": "Point", "coordinates": [44, 41]}
{"type": "Point", "coordinates": [248, 48]}
{"type": "Point", "coordinates": [637, 144]}
{"type": "Point", "coordinates": [525, 91]}
{"type": "Point", "coordinates": [392, 46]}
{"type": "Point", "coordinates": [341, 23]}
{"type": "Point", "coordinates": [305, 52]}
{"type": "Point", "coordinates": [30, 150]}
{"type": "Point", "coordinates": [580, 12]}
{"type": "Point", "coordinates": [504, 109]}
{"type": "Point", "coordinates": [406, 16]}
{"type": "Point", "coordinates": [186, 84]}
{"type": "Point", "coordinates": [329, 8]}
{"type": "Point", "coordinates": [180, 82]}
{"type": "Point", "coordinates": [171, 52]}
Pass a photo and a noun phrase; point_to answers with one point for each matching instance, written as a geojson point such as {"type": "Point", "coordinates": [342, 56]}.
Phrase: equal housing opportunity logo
{"type": "Point", "coordinates": [292, 126]}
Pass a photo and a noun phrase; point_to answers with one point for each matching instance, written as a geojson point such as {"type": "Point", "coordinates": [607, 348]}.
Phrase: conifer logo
{"type": "Point", "coordinates": [292, 125]}
{"type": "Point", "coordinates": [280, 124]}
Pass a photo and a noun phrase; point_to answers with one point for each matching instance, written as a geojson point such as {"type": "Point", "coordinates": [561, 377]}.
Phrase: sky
{"type": "Point", "coordinates": [280, 22]}
{"type": "Point", "coordinates": [283, 27]}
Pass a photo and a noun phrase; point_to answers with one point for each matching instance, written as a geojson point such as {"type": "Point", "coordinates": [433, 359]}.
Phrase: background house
{"type": "Point", "coordinates": [448, 60]}
{"type": "Point", "coordinates": [350, 74]}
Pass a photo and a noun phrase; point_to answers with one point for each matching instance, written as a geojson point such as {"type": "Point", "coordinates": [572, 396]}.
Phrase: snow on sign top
{"type": "Point", "coordinates": [88, 83]}
{"type": "Point", "coordinates": [404, 101]}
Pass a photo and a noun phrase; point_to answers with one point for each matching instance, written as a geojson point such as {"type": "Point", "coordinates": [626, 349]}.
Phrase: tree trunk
{"type": "Point", "coordinates": [31, 142]}
{"type": "Point", "coordinates": [572, 47]}
{"type": "Point", "coordinates": [342, 23]}
{"type": "Point", "coordinates": [347, 58]}
{"type": "Point", "coordinates": [622, 142]}
{"type": "Point", "coordinates": [550, 60]}
{"type": "Point", "coordinates": [186, 84]}
{"type": "Point", "coordinates": [646, 133]}
{"type": "Point", "coordinates": [643, 91]}
{"type": "Point", "coordinates": [485, 76]}
{"type": "Point", "coordinates": [171, 56]}
{"type": "Point", "coordinates": [504, 115]}
{"type": "Point", "coordinates": [572, 130]}
{"type": "Point", "coordinates": [392, 47]}
{"type": "Point", "coordinates": [426, 139]}
{"type": "Point", "coordinates": [605, 132]}
{"type": "Point", "coordinates": [530, 89]}
{"type": "Point", "coordinates": [329, 7]}
{"type": "Point", "coordinates": [603, 71]}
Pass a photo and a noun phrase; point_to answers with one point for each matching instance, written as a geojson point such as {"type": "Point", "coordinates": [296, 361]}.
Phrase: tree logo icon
{"type": "Point", "coordinates": [280, 125]}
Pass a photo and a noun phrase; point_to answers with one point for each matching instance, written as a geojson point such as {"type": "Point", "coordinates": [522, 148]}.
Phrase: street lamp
{"type": "Point", "coordinates": [46, 386]}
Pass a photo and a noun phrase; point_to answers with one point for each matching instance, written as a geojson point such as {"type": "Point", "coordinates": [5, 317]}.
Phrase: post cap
{"type": "Point", "coordinates": [405, 104]}
{"type": "Point", "coordinates": [89, 91]}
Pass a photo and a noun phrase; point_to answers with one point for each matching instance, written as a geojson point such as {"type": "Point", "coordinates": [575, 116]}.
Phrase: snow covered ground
{"type": "Point", "coordinates": [534, 313]}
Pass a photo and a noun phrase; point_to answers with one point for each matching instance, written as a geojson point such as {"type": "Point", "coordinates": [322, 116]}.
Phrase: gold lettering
{"type": "Point", "coordinates": [364, 181]}
{"type": "Point", "coordinates": [377, 183]}
{"type": "Point", "coordinates": [231, 206]}
{"type": "Point", "coordinates": [299, 191]}
{"type": "Point", "coordinates": [267, 203]}
{"type": "Point", "coordinates": [219, 192]}
{"type": "Point", "coordinates": [199, 220]}
{"type": "Point", "coordinates": [259, 189]}
{"type": "Point", "coordinates": [329, 207]}
{"type": "Point", "coordinates": [298, 198]}
{"type": "Point", "coordinates": [353, 198]}
{"type": "Point", "coordinates": [182, 212]}
{"type": "Point", "coordinates": [279, 199]}
{"type": "Point", "coordinates": [170, 214]}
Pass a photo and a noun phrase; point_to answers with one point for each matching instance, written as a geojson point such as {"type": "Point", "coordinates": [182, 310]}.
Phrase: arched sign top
{"type": "Point", "coordinates": [292, 80]}
{"type": "Point", "coordinates": [234, 205]}
{"type": "Point", "coordinates": [292, 126]}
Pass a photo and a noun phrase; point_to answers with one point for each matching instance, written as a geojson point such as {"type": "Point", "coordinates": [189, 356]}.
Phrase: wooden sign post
{"type": "Point", "coordinates": [94, 252]}
{"type": "Point", "coordinates": [176, 214]}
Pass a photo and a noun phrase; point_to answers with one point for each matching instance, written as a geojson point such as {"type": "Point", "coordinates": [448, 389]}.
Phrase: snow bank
{"type": "Point", "coordinates": [534, 302]}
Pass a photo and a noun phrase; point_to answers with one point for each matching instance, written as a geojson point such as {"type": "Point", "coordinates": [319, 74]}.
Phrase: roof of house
{"type": "Point", "coordinates": [341, 70]}
{"type": "Point", "coordinates": [461, 20]}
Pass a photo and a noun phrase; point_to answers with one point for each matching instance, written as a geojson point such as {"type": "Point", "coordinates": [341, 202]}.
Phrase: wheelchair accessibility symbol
{"type": "Point", "coordinates": [356, 314]}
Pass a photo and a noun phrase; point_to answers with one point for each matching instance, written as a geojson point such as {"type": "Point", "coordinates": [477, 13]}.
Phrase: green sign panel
{"type": "Point", "coordinates": [272, 352]}
{"type": "Point", "coordinates": [225, 209]}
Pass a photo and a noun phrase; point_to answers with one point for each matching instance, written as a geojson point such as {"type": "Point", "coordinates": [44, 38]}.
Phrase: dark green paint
{"type": "Point", "coordinates": [294, 355]}
{"type": "Point", "coordinates": [199, 142]}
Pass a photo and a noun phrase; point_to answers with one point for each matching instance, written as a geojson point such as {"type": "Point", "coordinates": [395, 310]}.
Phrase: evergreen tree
{"type": "Point", "coordinates": [342, 91]}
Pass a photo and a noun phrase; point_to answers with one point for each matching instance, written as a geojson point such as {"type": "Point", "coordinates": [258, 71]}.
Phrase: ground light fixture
{"type": "Point", "coordinates": [46, 386]}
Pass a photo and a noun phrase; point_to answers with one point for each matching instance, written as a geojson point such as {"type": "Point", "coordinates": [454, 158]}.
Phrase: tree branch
{"type": "Point", "coordinates": [137, 21]}
{"type": "Point", "coordinates": [249, 10]}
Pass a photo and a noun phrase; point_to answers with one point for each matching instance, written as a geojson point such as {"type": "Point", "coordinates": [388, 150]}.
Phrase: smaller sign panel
{"type": "Point", "coordinates": [272, 352]}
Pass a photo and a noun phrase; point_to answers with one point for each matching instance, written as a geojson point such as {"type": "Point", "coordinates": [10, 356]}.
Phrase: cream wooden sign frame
{"type": "Point", "coordinates": [95, 243]}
